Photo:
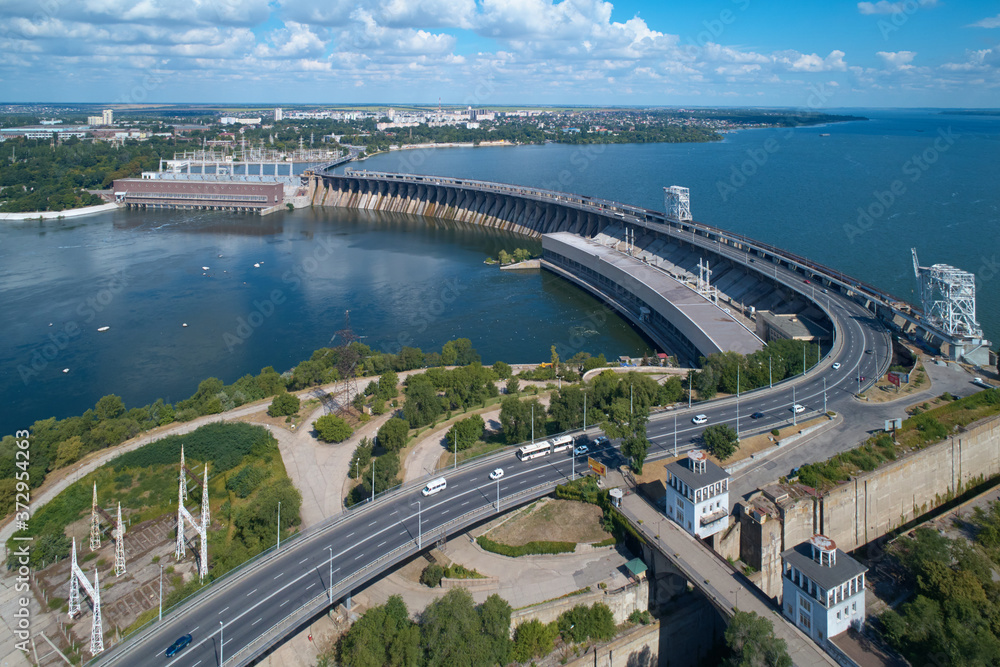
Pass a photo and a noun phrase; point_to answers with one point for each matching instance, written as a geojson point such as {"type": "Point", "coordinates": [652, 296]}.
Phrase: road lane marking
{"type": "Point", "coordinates": [372, 524]}
{"type": "Point", "coordinates": [303, 560]}
{"type": "Point", "coordinates": [310, 585]}
{"type": "Point", "coordinates": [278, 575]}
{"type": "Point", "coordinates": [251, 592]}
{"type": "Point", "coordinates": [381, 544]}
{"type": "Point", "coordinates": [223, 611]}
{"type": "Point", "coordinates": [350, 534]}
{"type": "Point", "coordinates": [282, 604]}
{"type": "Point", "coordinates": [257, 621]}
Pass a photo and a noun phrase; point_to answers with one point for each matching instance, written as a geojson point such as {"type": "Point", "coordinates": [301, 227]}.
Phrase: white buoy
{"type": "Point", "coordinates": [65, 370]}
{"type": "Point", "coordinates": [256, 266]}
{"type": "Point", "coordinates": [204, 268]}
{"type": "Point", "coordinates": [185, 324]}
{"type": "Point", "coordinates": [104, 328]}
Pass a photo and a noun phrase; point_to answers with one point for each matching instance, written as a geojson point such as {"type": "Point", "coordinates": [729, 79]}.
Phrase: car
{"type": "Point", "coordinates": [757, 415]}
{"type": "Point", "coordinates": [496, 474]}
{"type": "Point", "coordinates": [178, 646]}
{"type": "Point", "coordinates": [806, 282]}
{"type": "Point", "coordinates": [752, 261]}
{"type": "Point", "coordinates": [601, 441]}
{"type": "Point", "coordinates": [836, 365]}
{"type": "Point", "coordinates": [798, 408]}
{"type": "Point", "coordinates": [581, 449]}
{"type": "Point", "coordinates": [699, 419]}
{"type": "Point", "coordinates": [869, 351]}
{"type": "Point", "coordinates": [824, 291]}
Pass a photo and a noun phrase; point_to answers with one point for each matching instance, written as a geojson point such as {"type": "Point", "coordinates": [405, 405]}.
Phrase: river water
{"type": "Point", "coordinates": [857, 200]}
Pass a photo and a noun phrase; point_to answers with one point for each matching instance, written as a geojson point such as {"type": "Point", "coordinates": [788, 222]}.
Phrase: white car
{"type": "Point", "coordinates": [496, 474]}
{"type": "Point", "coordinates": [836, 365]}
{"type": "Point", "coordinates": [699, 419]}
{"type": "Point", "coordinates": [798, 408]}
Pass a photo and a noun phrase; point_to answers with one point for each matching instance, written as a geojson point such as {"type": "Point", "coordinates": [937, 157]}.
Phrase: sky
{"type": "Point", "coordinates": [790, 53]}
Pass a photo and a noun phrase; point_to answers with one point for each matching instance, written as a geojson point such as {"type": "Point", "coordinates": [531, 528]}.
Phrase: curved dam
{"type": "Point", "coordinates": [693, 288]}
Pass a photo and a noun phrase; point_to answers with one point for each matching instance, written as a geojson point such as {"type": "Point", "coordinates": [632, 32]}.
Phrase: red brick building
{"type": "Point", "coordinates": [215, 195]}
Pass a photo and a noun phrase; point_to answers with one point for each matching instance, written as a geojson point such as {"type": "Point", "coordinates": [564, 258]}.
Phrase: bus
{"type": "Point", "coordinates": [535, 450]}
{"type": "Point", "coordinates": [562, 443]}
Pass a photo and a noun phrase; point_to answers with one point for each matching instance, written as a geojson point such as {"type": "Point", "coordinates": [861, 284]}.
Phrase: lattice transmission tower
{"type": "Point", "coordinates": [677, 201]}
{"type": "Point", "coordinates": [948, 297]}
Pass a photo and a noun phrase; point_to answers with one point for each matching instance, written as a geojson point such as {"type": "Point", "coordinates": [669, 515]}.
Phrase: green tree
{"type": "Point", "coordinates": [384, 635]}
{"type": "Point", "coordinates": [566, 408]}
{"type": "Point", "coordinates": [494, 618]}
{"type": "Point", "coordinates": [392, 435]}
{"type": "Point", "coordinates": [332, 428]}
{"type": "Point", "coordinates": [513, 385]}
{"type": "Point", "coordinates": [502, 369]}
{"type": "Point", "coordinates": [752, 643]}
{"type": "Point", "coordinates": [422, 405]}
{"type": "Point", "coordinates": [361, 458]}
{"type": "Point", "coordinates": [451, 631]}
{"type": "Point", "coordinates": [109, 407]}
{"type": "Point", "coordinates": [628, 423]}
{"type": "Point", "coordinates": [387, 386]}
{"type": "Point", "coordinates": [284, 404]}
{"type": "Point", "coordinates": [515, 419]}
{"type": "Point", "coordinates": [534, 639]}
{"type": "Point", "coordinates": [671, 391]}
{"type": "Point", "coordinates": [466, 432]}
{"type": "Point", "coordinates": [721, 440]}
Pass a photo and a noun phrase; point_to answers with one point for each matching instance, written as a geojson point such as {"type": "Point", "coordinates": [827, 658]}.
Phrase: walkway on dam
{"type": "Point", "coordinates": [716, 579]}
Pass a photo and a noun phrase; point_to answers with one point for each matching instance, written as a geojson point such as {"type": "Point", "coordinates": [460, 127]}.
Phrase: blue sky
{"type": "Point", "coordinates": [889, 53]}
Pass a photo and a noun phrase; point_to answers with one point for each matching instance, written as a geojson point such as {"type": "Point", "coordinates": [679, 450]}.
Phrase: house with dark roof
{"type": "Point", "coordinates": [697, 495]}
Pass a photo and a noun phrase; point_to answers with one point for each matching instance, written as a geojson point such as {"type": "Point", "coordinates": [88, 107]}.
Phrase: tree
{"type": "Point", "coordinates": [566, 408]}
{"type": "Point", "coordinates": [331, 428]}
{"type": "Point", "coordinates": [109, 407]}
{"type": "Point", "coordinates": [628, 423]}
{"type": "Point", "coordinates": [284, 404]}
{"type": "Point", "coordinates": [513, 385]}
{"type": "Point", "coordinates": [392, 435]}
{"type": "Point", "coordinates": [494, 617]}
{"type": "Point", "coordinates": [751, 640]}
{"type": "Point", "coordinates": [387, 389]}
{"type": "Point", "coordinates": [515, 419]}
{"type": "Point", "coordinates": [721, 440]}
{"type": "Point", "coordinates": [670, 391]}
{"type": "Point", "coordinates": [384, 635]}
{"type": "Point", "coordinates": [450, 630]}
{"type": "Point", "coordinates": [534, 639]}
{"type": "Point", "coordinates": [502, 369]}
{"type": "Point", "coordinates": [466, 432]}
{"type": "Point", "coordinates": [422, 405]}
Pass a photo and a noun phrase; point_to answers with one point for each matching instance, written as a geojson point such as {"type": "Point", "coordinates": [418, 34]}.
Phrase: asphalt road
{"type": "Point", "coordinates": [262, 596]}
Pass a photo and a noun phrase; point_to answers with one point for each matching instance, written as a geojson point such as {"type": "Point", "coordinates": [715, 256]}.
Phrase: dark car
{"type": "Point", "coordinates": [757, 415]}
{"type": "Point", "coordinates": [178, 646]}
{"type": "Point", "coordinates": [601, 441]}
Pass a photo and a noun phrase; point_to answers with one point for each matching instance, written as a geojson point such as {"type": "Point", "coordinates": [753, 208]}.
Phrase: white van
{"type": "Point", "coordinates": [435, 485]}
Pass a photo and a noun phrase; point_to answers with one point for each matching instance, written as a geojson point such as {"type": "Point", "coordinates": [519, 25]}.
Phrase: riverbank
{"type": "Point", "coordinates": [56, 215]}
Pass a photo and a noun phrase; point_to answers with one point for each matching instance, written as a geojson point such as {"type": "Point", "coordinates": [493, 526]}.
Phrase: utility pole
{"type": "Point", "coordinates": [498, 496]}
{"type": "Point", "coordinates": [770, 377]}
{"type": "Point", "coordinates": [532, 423]}
{"type": "Point", "coordinates": [278, 548]}
{"type": "Point", "coordinates": [420, 534]}
{"type": "Point", "coordinates": [222, 660]}
{"type": "Point", "coordinates": [584, 411]}
{"type": "Point", "coordinates": [824, 394]}
{"type": "Point", "coordinates": [373, 480]}
{"type": "Point", "coordinates": [675, 434]}
{"type": "Point", "coordinates": [331, 573]}
{"type": "Point", "coordinates": [737, 402]}
{"type": "Point", "coordinates": [793, 406]}
{"type": "Point", "coordinates": [160, 616]}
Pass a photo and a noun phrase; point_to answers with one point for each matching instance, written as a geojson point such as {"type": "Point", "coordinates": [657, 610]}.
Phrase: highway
{"type": "Point", "coordinates": [357, 546]}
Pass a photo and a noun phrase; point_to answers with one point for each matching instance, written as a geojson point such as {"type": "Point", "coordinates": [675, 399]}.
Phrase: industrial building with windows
{"type": "Point", "coordinates": [697, 495]}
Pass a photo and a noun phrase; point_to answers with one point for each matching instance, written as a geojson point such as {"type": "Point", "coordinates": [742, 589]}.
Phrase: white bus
{"type": "Point", "coordinates": [435, 485]}
{"type": "Point", "coordinates": [535, 450]}
{"type": "Point", "coordinates": [562, 443]}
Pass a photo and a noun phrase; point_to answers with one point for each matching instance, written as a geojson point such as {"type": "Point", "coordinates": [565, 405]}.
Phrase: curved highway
{"type": "Point", "coordinates": [282, 590]}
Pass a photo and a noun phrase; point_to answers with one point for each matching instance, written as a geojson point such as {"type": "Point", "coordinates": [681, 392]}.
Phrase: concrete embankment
{"type": "Point", "coordinates": [55, 215]}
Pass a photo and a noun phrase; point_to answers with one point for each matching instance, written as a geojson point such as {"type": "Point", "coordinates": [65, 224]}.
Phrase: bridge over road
{"type": "Point", "coordinates": [716, 579]}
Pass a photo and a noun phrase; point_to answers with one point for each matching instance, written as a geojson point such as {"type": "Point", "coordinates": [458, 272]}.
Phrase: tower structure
{"type": "Point", "coordinates": [95, 524]}
{"type": "Point", "coordinates": [120, 545]}
{"type": "Point", "coordinates": [704, 283]}
{"type": "Point", "coordinates": [948, 298]}
{"type": "Point", "coordinates": [184, 518]}
{"type": "Point", "coordinates": [347, 360]}
{"type": "Point", "coordinates": [677, 201]}
{"type": "Point", "coordinates": [78, 580]}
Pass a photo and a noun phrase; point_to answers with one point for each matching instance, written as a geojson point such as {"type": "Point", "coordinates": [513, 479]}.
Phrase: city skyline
{"type": "Point", "coordinates": [911, 53]}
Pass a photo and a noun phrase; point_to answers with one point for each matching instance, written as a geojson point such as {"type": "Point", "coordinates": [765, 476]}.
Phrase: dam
{"type": "Point", "coordinates": [737, 274]}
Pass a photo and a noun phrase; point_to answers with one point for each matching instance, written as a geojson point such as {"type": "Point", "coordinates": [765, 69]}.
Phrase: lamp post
{"type": "Point", "coordinates": [278, 547]}
{"type": "Point", "coordinates": [420, 534]}
{"type": "Point", "coordinates": [793, 406]}
{"type": "Point", "coordinates": [584, 411]}
{"type": "Point", "coordinates": [331, 573]}
{"type": "Point", "coordinates": [675, 434]}
{"type": "Point", "coordinates": [222, 660]}
{"type": "Point", "coordinates": [373, 480]}
{"type": "Point", "coordinates": [498, 495]}
{"type": "Point", "coordinates": [532, 423]}
{"type": "Point", "coordinates": [824, 394]}
{"type": "Point", "coordinates": [160, 616]}
{"type": "Point", "coordinates": [631, 402]}
{"type": "Point", "coordinates": [737, 402]}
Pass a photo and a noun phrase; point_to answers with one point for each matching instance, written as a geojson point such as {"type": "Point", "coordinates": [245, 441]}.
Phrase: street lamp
{"type": "Point", "coordinates": [279, 527]}
{"type": "Point", "coordinates": [160, 616]}
{"type": "Point", "coordinates": [793, 406]}
{"type": "Point", "coordinates": [373, 480]}
{"type": "Point", "coordinates": [675, 434]}
{"type": "Point", "coordinates": [737, 402]}
{"type": "Point", "coordinates": [770, 377]}
{"type": "Point", "coordinates": [498, 489]}
{"type": "Point", "coordinates": [222, 660]}
{"type": "Point", "coordinates": [331, 573]}
{"type": "Point", "coordinates": [420, 535]}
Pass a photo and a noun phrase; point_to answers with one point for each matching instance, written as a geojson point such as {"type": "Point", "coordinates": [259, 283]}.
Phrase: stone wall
{"type": "Point", "coordinates": [624, 601]}
{"type": "Point", "coordinates": [872, 504]}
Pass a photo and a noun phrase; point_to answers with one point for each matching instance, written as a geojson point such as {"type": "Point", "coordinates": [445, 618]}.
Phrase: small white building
{"type": "Point", "coordinates": [823, 589]}
{"type": "Point", "coordinates": [698, 495]}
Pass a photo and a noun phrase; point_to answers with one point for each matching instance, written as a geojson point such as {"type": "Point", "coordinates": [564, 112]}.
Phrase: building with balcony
{"type": "Point", "coordinates": [698, 495]}
{"type": "Point", "coordinates": [823, 589]}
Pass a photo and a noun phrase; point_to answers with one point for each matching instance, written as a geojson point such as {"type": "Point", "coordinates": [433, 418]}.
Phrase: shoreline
{"type": "Point", "coordinates": [56, 215]}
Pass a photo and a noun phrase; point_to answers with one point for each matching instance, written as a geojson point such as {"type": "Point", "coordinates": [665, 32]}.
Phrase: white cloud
{"type": "Point", "coordinates": [989, 22]}
{"type": "Point", "coordinates": [897, 59]}
{"type": "Point", "coordinates": [295, 40]}
{"type": "Point", "coordinates": [810, 62]}
{"type": "Point", "coordinates": [886, 7]}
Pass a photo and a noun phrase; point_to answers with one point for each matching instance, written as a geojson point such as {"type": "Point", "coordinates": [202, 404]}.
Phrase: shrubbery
{"type": "Point", "coordinates": [525, 549]}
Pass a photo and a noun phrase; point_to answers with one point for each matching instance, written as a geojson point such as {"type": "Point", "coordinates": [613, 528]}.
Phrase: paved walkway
{"type": "Point", "coordinates": [716, 578]}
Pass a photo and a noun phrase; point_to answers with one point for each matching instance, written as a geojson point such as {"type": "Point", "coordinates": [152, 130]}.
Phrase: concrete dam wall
{"type": "Point", "coordinates": [446, 199]}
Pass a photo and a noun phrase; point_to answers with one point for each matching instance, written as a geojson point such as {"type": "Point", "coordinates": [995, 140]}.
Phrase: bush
{"type": "Point", "coordinates": [643, 617]}
{"type": "Point", "coordinates": [332, 428]}
{"type": "Point", "coordinates": [247, 480]}
{"type": "Point", "coordinates": [775, 432]}
{"type": "Point", "coordinates": [432, 575]}
{"type": "Point", "coordinates": [284, 404]}
{"type": "Point", "coordinates": [525, 549]}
